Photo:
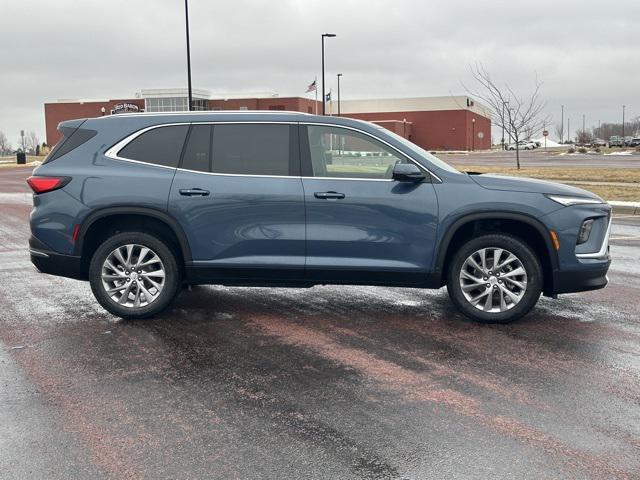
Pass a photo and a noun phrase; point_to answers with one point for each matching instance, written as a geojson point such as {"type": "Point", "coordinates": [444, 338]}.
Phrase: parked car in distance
{"type": "Point", "coordinates": [616, 141]}
{"type": "Point", "coordinates": [142, 204]}
{"type": "Point", "coordinates": [628, 141]}
{"type": "Point", "coordinates": [598, 142]}
{"type": "Point", "coordinates": [524, 145]}
{"type": "Point", "coordinates": [635, 142]}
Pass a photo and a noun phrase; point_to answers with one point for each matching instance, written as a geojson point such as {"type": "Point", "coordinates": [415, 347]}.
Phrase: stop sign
{"type": "Point", "coordinates": [545, 133]}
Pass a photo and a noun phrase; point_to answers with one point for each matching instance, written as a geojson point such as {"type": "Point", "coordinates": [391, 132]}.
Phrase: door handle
{"type": "Point", "coordinates": [194, 192]}
{"type": "Point", "coordinates": [329, 195]}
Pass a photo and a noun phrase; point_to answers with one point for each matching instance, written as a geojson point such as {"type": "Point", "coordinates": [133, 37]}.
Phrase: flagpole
{"type": "Point", "coordinates": [316, 82]}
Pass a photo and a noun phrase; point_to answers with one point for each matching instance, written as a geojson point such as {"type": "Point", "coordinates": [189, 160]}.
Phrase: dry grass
{"type": "Point", "coordinates": [562, 174]}
{"type": "Point", "coordinates": [628, 194]}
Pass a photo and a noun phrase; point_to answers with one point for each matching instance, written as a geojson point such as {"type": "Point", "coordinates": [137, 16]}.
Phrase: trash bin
{"type": "Point", "coordinates": [22, 158]}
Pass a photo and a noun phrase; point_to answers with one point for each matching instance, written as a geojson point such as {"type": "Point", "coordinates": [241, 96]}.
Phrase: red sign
{"type": "Point", "coordinates": [545, 133]}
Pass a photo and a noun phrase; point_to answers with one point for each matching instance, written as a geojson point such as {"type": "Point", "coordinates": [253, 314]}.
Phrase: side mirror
{"type": "Point", "coordinates": [407, 172]}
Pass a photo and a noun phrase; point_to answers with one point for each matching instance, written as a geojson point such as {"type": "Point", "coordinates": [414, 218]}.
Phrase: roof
{"type": "Point", "coordinates": [414, 104]}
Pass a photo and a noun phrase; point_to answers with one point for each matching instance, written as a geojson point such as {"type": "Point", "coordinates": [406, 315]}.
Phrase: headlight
{"type": "Point", "coordinates": [568, 200]}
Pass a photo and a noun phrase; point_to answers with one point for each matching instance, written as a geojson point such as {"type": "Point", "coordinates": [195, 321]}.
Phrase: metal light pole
{"type": "Point", "coordinates": [186, 18]}
{"type": "Point", "coordinates": [568, 129]}
{"type": "Point", "coordinates": [329, 35]}
{"type": "Point", "coordinates": [562, 125]}
{"type": "Point", "coordinates": [623, 107]}
{"type": "Point", "coordinates": [339, 75]}
{"type": "Point", "coordinates": [473, 134]}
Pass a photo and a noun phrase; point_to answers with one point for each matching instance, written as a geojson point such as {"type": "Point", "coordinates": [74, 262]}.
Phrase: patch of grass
{"type": "Point", "coordinates": [628, 194]}
{"type": "Point", "coordinates": [562, 174]}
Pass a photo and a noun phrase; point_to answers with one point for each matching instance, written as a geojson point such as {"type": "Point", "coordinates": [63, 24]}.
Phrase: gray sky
{"type": "Point", "coordinates": [586, 52]}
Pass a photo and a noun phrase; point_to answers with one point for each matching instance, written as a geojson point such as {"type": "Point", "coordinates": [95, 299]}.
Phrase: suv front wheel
{"type": "Point", "coordinates": [495, 278]}
{"type": "Point", "coordinates": [134, 275]}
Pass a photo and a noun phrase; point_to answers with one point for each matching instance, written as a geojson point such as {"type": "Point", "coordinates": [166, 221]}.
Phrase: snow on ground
{"type": "Point", "coordinates": [625, 152]}
{"type": "Point", "coordinates": [550, 143]}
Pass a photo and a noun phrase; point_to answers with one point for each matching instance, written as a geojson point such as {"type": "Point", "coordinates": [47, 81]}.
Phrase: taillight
{"type": "Point", "coordinates": [47, 184]}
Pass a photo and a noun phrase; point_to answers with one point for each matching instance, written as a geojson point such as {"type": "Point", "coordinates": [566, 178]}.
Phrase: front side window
{"type": "Point", "coordinates": [341, 153]}
{"type": "Point", "coordinates": [160, 146]}
{"type": "Point", "coordinates": [251, 149]}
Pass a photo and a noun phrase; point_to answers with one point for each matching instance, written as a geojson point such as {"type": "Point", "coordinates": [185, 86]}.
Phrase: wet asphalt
{"type": "Point", "coordinates": [321, 383]}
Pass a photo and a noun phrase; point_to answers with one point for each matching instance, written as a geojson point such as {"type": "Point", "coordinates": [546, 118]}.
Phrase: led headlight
{"type": "Point", "coordinates": [585, 231]}
{"type": "Point", "coordinates": [567, 200]}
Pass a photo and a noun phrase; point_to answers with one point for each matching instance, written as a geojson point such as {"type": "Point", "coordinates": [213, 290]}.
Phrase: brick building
{"type": "Point", "coordinates": [434, 123]}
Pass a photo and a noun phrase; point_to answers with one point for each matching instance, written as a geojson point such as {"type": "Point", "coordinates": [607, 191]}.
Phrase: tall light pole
{"type": "Point", "coordinates": [186, 18]}
{"type": "Point", "coordinates": [623, 107]}
{"type": "Point", "coordinates": [473, 134]}
{"type": "Point", "coordinates": [562, 125]}
{"type": "Point", "coordinates": [339, 75]}
{"type": "Point", "coordinates": [329, 35]}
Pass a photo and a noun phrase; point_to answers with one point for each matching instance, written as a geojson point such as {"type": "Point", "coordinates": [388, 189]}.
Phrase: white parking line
{"type": "Point", "coordinates": [625, 238]}
{"type": "Point", "coordinates": [626, 216]}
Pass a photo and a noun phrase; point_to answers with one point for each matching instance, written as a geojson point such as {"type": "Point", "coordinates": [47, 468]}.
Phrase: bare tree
{"type": "Point", "coordinates": [559, 131]}
{"type": "Point", "coordinates": [32, 141]}
{"type": "Point", "coordinates": [518, 115]}
{"type": "Point", "coordinates": [5, 146]}
{"type": "Point", "coordinates": [583, 137]}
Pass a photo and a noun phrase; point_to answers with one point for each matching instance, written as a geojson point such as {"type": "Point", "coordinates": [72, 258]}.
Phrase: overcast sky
{"type": "Point", "coordinates": [586, 52]}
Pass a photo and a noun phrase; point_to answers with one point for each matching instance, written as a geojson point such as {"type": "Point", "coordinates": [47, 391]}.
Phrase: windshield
{"type": "Point", "coordinates": [421, 152]}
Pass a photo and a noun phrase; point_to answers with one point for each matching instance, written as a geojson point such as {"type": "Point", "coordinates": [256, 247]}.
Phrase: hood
{"type": "Point", "coordinates": [528, 185]}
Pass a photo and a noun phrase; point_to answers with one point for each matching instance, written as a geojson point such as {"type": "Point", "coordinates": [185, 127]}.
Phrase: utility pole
{"type": "Point", "coordinates": [339, 75]}
{"type": "Point", "coordinates": [562, 125]}
{"type": "Point", "coordinates": [324, 98]}
{"type": "Point", "coordinates": [186, 18]}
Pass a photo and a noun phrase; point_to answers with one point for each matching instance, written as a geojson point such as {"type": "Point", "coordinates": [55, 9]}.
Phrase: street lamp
{"type": "Point", "coordinates": [339, 75]}
{"type": "Point", "coordinates": [186, 18]}
{"type": "Point", "coordinates": [473, 134]}
{"type": "Point", "coordinates": [329, 35]}
{"type": "Point", "coordinates": [562, 125]}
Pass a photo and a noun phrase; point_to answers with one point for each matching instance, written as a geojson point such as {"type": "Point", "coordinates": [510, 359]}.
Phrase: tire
{"type": "Point", "coordinates": [503, 308]}
{"type": "Point", "coordinates": [152, 292]}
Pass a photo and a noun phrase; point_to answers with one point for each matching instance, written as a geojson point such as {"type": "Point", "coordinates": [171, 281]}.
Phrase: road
{"type": "Point", "coordinates": [322, 383]}
{"type": "Point", "coordinates": [540, 158]}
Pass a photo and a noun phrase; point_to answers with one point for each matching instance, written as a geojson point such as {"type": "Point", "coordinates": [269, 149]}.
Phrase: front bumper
{"type": "Point", "coordinates": [54, 263]}
{"type": "Point", "coordinates": [591, 277]}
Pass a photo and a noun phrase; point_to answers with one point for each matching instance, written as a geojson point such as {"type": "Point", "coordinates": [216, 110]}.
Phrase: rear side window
{"type": "Point", "coordinates": [72, 139]}
{"type": "Point", "coordinates": [160, 146]}
{"type": "Point", "coordinates": [251, 149]}
{"type": "Point", "coordinates": [197, 153]}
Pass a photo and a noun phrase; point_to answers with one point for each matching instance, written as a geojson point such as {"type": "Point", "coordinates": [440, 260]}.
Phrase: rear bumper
{"type": "Point", "coordinates": [592, 277]}
{"type": "Point", "coordinates": [54, 263]}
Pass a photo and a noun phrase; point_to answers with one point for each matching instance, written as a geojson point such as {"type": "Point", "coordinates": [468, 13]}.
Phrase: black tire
{"type": "Point", "coordinates": [530, 263]}
{"type": "Point", "coordinates": [172, 278]}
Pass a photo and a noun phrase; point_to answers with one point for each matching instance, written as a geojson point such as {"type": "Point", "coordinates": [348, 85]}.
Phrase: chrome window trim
{"type": "Point", "coordinates": [114, 150]}
{"type": "Point", "coordinates": [602, 253]}
{"type": "Point", "coordinates": [409, 157]}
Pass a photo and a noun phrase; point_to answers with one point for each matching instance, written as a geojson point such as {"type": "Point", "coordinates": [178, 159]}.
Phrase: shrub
{"type": "Point", "coordinates": [597, 150]}
{"type": "Point", "coordinates": [572, 150]}
{"type": "Point", "coordinates": [582, 150]}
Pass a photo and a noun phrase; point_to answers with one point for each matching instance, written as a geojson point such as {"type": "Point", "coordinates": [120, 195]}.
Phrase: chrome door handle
{"type": "Point", "coordinates": [329, 195]}
{"type": "Point", "coordinates": [194, 192]}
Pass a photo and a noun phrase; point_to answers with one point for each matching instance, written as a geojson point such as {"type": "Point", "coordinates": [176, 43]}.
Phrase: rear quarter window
{"type": "Point", "coordinates": [72, 139]}
{"type": "Point", "coordinates": [159, 146]}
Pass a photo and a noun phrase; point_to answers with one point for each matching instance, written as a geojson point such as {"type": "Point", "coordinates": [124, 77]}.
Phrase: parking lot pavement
{"type": "Point", "coordinates": [321, 383]}
{"type": "Point", "coordinates": [540, 158]}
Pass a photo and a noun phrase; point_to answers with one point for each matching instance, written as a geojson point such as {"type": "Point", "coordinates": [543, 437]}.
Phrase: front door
{"type": "Point", "coordinates": [362, 226]}
{"type": "Point", "coordinates": [239, 197]}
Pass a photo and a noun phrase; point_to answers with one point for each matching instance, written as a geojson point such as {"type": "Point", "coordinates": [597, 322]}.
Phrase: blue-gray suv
{"type": "Point", "coordinates": [143, 204]}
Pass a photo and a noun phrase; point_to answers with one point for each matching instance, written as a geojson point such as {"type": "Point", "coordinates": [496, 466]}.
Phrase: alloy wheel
{"type": "Point", "coordinates": [493, 280]}
{"type": "Point", "coordinates": [133, 275]}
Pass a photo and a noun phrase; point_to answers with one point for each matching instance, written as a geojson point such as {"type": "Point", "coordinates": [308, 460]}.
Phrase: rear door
{"type": "Point", "coordinates": [362, 226]}
{"type": "Point", "coordinates": [239, 197]}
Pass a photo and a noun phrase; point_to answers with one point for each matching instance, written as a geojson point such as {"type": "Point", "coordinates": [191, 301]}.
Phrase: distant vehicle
{"type": "Point", "coordinates": [523, 145]}
{"type": "Point", "coordinates": [635, 142]}
{"type": "Point", "coordinates": [627, 141]}
{"type": "Point", "coordinates": [598, 142]}
{"type": "Point", "coordinates": [616, 141]}
{"type": "Point", "coordinates": [538, 143]}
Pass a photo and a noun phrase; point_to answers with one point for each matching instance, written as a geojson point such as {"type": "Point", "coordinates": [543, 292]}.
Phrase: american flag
{"type": "Point", "coordinates": [312, 87]}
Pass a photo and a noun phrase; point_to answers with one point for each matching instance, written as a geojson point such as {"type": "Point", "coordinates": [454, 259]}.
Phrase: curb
{"type": "Point", "coordinates": [628, 208]}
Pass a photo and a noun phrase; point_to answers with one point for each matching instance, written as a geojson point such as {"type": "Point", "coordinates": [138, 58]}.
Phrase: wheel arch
{"type": "Point", "coordinates": [517, 224]}
{"type": "Point", "coordinates": [123, 215]}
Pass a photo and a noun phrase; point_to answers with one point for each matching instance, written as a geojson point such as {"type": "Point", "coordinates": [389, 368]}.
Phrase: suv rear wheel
{"type": "Point", "coordinates": [134, 275]}
{"type": "Point", "coordinates": [495, 278]}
